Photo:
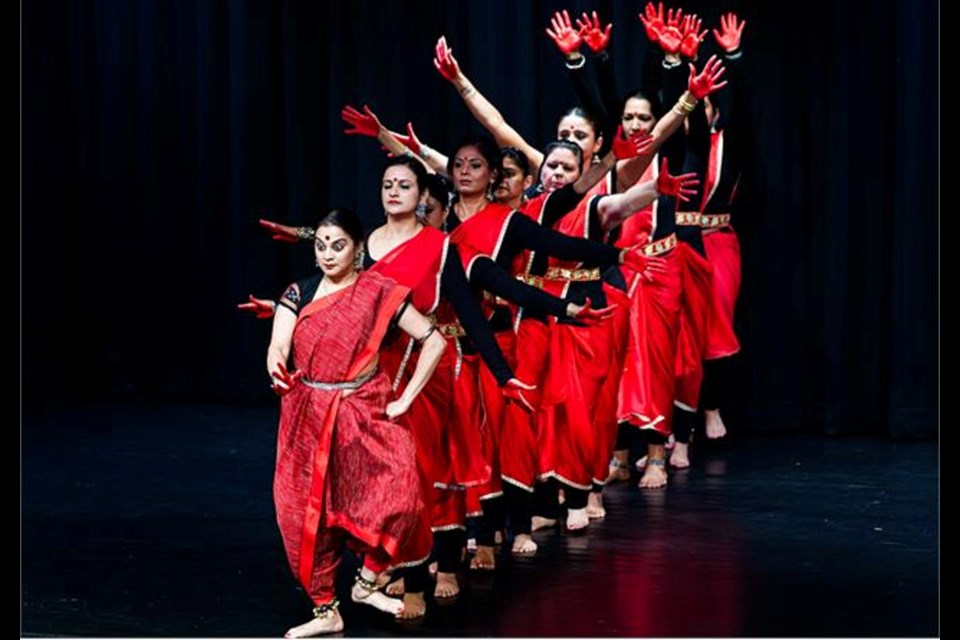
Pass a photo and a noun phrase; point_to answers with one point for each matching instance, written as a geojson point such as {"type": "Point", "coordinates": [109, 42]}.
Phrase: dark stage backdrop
{"type": "Point", "coordinates": [155, 133]}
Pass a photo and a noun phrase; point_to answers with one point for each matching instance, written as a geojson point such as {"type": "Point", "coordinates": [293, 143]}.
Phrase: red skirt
{"type": "Point", "coordinates": [373, 490]}
{"type": "Point", "coordinates": [606, 413]}
{"type": "Point", "coordinates": [482, 387]}
{"type": "Point", "coordinates": [723, 252]}
{"type": "Point", "coordinates": [654, 325]}
{"type": "Point", "coordinates": [448, 445]}
{"type": "Point", "coordinates": [579, 364]}
{"type": "Point", "coordinates": [518, 436]}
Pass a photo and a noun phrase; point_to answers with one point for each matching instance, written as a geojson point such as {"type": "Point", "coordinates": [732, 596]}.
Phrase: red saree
{"type": "Point", "coordinates": [340, 463]}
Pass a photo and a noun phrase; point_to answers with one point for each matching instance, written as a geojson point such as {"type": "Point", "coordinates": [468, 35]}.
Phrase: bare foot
{"type": "Point", "coordinates": [523, 545]}
{"type": "Point", "coordinates": [680, 456]}
{"type": "Point", "coordinates": [539, 522]}
{"type": "Point", "coordinates": [447, 585]}
{"type": "Point", "coordinates": [375, 599]}
{"type": "Point", "coordinates": [331, 623]}
{"type": "Point", "coordinates": [396, 588]}
{"type": "Point", "coordinates": [714, 424]}
{"type": "Point", "coordinates": [414, 606]}
{"type": "Point", "coordinates": [619, 468]}
{"type": "Point", "coordinates": [577, 519]}
{"type": "Point", "coordinates": [484, 559]}
{"type": "Point", "coordinates": [595, 510]}
{"type": "Point", "coordinates": [654, 476]}
{"type": "Point", "coordinates": [641, 464]}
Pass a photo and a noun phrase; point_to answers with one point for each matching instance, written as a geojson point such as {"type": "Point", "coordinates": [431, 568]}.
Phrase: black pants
{"type": "Point", "coordinates": [492, 520]}
{"type": "Point", "coordinates": [683, 424]}
{"type": "Point", "coordinates": [448, 548]}
{"type": "Point", "coordinates": [520, 508]}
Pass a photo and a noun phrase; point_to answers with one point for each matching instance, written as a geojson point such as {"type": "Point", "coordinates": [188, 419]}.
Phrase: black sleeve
{"type": "Point", "coordinates": [651, 80]}
{"type": "Point", "coordinates": [675, 78]}
{"type": "Point", "coordinates": [674, 84]}
{"type": "Point", "coordinates": [558, 204]}
{"type": "Point", "coordinates": [543, 240]}
{"type": "Point", "coordinates": [488, 275]}
{"type": "Point", "coordinates": [728, 97]}
{"type": "Point", "coordinates": [697, 155]}
{"type": "Point", "coordinates": [585, 94]}
{"type": "Point", "coordinates": [455, 288]}
{"type": "Point", "coordinates": [610, 97]}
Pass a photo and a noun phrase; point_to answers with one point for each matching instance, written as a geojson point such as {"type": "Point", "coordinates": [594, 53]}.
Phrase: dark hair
{"type": "Point", "coordinates": [562, 144]}
{"type": "Point", "coordinates": [440, 188]}
{"type": "Point", "coordinates": [523, 163]}
{"type": "Point", "coordinates": [346, 219]}
{"type": "Point", "coordinates": [487, 148]}
{"type": "Point", "coordinates": [411, 163]}
{"type": "Point", "coordinates": [639, 94]}
{"type": "Point", "coordinates": [591, 119]}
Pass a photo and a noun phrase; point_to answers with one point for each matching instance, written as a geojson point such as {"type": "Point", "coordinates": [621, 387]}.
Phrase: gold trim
{"type": "Point", "coordinates": [533, 281]}
{"type": "Point", "coordinates": [660, 246]}
{"type": "Point", "coordinates": [711, 220]}
{"type": "Point", "coordinates": [573, 275]}
{"type": "Point", "coordinates": [687, 218]}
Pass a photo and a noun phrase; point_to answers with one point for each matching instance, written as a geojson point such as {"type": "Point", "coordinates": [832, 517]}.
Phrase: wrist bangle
{"type": "Point", "coordinates": [576, 64]}
{"type": "Point", "coordinates": [685, 105]}
{"type": "Point", "coordinates": [427, 334]}
{"type": "Point", "coordinates": [424, 152]}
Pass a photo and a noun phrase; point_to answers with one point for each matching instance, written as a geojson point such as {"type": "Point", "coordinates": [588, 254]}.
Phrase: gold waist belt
{"type": "Point", "coordinates": [688, 218]}
{"type": "Point", "coordinates": [572, 275]}
{"type": "Point", "coordinates": [660, 246]}
{"type": "Point", "coordinates": [714, 220]}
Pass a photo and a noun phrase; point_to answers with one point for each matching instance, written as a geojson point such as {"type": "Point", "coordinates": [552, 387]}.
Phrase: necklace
{"type": "Point", "coordinates": [326, 291]}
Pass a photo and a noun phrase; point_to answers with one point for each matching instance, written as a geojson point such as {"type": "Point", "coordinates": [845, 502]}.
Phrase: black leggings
{"type": "Point", "coordinates": [520, 507]}
{"type": "Point", "coordinates": [683, 424]}
{"type": "Point", "coordinates": [448, 548]}
{"type": "Point", "coordinates": [492, 520]}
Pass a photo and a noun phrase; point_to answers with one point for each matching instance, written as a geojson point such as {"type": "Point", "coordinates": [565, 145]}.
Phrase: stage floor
{"type": "Point", "coordinates": [157, 520]}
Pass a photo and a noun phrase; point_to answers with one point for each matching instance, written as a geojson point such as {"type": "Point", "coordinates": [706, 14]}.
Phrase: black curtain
{"type": "Point", "coordinates": [155, 133]}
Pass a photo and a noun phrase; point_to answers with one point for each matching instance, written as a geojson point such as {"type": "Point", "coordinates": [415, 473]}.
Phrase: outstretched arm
{"type": "Point", "coordinates": [616, 208]}
{"type": "Point", "coordinates": [481, 108]}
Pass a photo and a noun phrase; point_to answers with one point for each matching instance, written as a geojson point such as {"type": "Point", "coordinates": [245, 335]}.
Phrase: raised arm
{"type": "Point", "coordinates": [435, 161]}
{"type": "Point", "coordinates": [368, 124]}
{"type": "Point", "coordinates": [568, 41]}
{"type": "Point", "coordinates": [481, 108]}
{"type": "Point", "coordinates": [698, 86]}
{"type": "Point", "coordinates": [729, 38]}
